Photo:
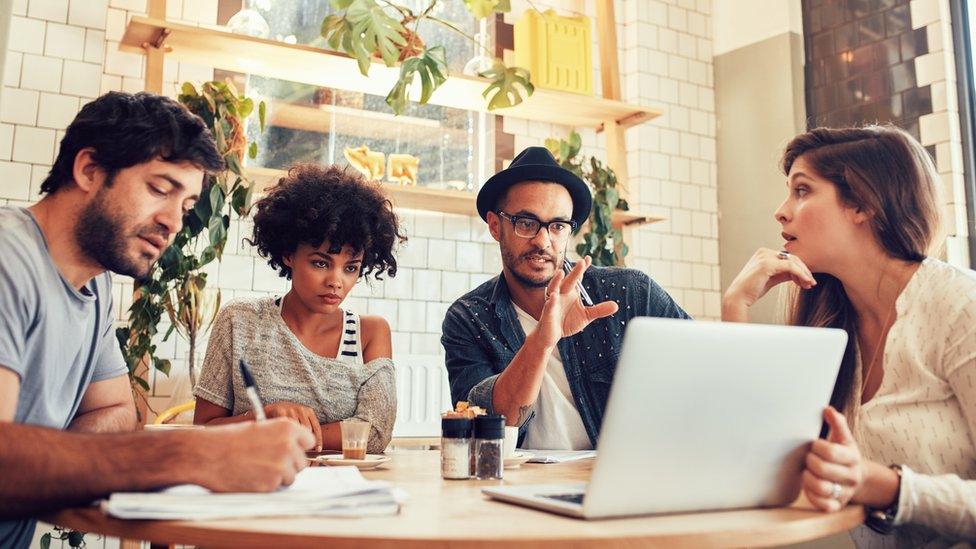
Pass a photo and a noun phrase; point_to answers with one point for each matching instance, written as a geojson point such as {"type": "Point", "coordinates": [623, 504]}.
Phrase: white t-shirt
{"type": "Point", "coordinates": [557, 424]}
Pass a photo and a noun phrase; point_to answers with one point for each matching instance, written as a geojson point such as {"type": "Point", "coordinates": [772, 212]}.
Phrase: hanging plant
{"type": "Point", "coordinates": [176, 284]}
{"type": "Point", "coordinates": [602, 241]}
{"type": "Point", "coordinates": [368, 29]}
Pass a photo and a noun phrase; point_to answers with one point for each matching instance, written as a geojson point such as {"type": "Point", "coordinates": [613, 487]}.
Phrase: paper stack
{"type": "Point", "coordinates": [321, 491]}
{"type": "Point", "coordinates": [560, 456]}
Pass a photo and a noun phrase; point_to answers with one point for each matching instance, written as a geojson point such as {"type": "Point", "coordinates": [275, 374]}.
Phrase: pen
{"type": "Point", "coordinates": [585, 296]}
{"type": "Point", "coordinates": [252, 391]}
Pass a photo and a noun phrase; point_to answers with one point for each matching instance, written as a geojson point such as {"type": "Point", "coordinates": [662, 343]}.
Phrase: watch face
{"type": "Point", "coordinates": [881, 521]}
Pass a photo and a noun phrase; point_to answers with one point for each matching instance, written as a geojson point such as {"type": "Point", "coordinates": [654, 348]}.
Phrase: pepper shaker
{"type": "Point", "coordinates": [489, 434]}
{"type": "Point", "coordinates": [455, 448]}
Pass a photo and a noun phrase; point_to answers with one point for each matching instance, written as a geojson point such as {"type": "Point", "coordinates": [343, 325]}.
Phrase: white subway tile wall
{"type": "Point", "coordinates": [64, 53]}
{"type": "Point", "coordinates": [941, 128]}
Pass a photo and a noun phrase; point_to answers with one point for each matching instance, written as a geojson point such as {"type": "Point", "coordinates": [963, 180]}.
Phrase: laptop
{"type": "Point", "coordinates": [702, 416]}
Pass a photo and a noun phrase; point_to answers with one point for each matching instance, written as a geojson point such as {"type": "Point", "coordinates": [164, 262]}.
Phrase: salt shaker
{"type": "Point", "coordinates": [455, 448]}
{"type": "Point", "coordinates": [489, 435]}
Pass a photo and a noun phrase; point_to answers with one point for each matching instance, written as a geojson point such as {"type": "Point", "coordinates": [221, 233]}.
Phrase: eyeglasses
{"type": "Point", "coordinates": [528, 227]}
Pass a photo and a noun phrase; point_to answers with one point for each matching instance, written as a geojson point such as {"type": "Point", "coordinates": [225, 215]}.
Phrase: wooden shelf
{"type": "Point", "coordinates": [222, 49]}
{"type": "Point", "coordinates": [412, 198]}
{"type": "Point", "coordinates": [436, 200]}
{"type": "Point", "coordinates": [350, 121]}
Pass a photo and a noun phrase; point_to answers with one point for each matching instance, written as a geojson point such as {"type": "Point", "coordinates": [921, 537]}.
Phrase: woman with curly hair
{"type": "Point", "coordinates": [324, 229]}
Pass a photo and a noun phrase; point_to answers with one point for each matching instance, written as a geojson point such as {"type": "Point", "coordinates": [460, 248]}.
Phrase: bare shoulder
{"type": "Point", "coordinates": [374, 328]}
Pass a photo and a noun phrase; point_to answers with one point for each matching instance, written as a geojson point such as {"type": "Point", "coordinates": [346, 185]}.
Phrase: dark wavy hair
{"type": "Point", "coordinates": [882, 170]}
{"type": "Point", "coordinates": [127, 129]}
{"type": "Point", "coordinates": [314, 204]}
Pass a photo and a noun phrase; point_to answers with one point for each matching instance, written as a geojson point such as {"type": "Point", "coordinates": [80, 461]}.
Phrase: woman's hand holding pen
{"type": "Point", "coordinates": [303, 415]}
{"type": "Point", "coordinates": [564, 314]}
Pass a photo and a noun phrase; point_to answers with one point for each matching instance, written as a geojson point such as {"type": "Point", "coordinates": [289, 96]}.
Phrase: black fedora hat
{"type": "Point", "coordinates": [535, 164]}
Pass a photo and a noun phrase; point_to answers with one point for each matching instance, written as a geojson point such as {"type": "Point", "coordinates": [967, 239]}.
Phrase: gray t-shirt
{"type": "Point", "coordinates": [56, 338]}
{"type": "Point", "coordinates": [286, 371]}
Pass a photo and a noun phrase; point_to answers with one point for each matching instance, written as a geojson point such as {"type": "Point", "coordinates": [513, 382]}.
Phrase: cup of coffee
{"type": "Point", "coordinates": [511, 441]}
{"type": "Point", "coordinates": [355, 434]}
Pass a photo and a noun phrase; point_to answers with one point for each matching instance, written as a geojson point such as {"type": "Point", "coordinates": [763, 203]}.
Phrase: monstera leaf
{"type": "Point", "coordinates": [373, 30]}
{"type": "Point", "coordinates": [485, 8]}
{"type": "Point", "coordinates": [367, 28]}
{"type": "Point", "coordinates": [431, 66]}
{"type": "Point", "coordinates": [337, 31]}
{"type": "Point", "coordinates": [505, 83]}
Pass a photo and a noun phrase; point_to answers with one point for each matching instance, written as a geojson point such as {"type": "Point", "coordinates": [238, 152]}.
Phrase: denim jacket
{"type": "Point", "coordinates": [481, 334]}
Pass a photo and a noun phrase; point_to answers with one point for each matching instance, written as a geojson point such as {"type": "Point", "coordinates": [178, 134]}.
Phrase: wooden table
{"type": "Point", "coordinates": [443, 513]}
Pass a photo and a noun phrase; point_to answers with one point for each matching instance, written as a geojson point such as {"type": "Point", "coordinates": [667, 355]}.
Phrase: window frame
{"type": "Point", "coordinates": [965, 77]}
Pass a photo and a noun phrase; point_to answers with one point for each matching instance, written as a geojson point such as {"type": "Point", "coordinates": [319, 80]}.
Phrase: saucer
{"type": "Point", "coordinates": [518, 459]}
{"type": "Point", "coordinates": [372, 461]}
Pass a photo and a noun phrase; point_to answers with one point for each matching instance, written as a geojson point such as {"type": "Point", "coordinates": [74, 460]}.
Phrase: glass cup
{"type": "Point", "coordinates": [355, 434]}
{"type": "Point", "coordinates": [511, 441]}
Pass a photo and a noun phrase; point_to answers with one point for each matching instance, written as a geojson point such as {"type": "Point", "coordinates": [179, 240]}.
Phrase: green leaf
{"type": "Point", "coordinates": [575, 143]}
{"type": "Point", "coordinates": [624, 250]}
{"type": "Point", "coordinates": [216, 202]}
{"type": "Point", "coordinates": [45, 542]}
{"type": "Point", "coordinates": [337, 31]}
{"type": "Point", "coordinates": [262, 111]}
{"type": "Point", "coordinates": [341, 4]}
{"type": "Point", "coordinates": [188, 90]}
{"type": "Point", "coordinates": [233, 163]}
{"type": "Point", "coordinates": [208, 255]}
{"type": "Point", "coordinates": [76, 538]}
{"type": "Point", "coordinates": [141, 382]}
{"type": "Point", "coordinates": [252, 150]}
{"type": "Point", "coordinates": [553, 146]}
{"type": "Point", "coordinates": [611, 198]}
{"type": "Point", "coordinates": [481, 8]}
{"type": "Point", "coordinates": [237, 200]}
{"type": "Point", "coordinates": [373, 30]}
{"type": "Point", "coordinates": [218, 232]}
{"type": "Point", "coordinates": [505, 84]}
{"type": "Point", "coordinates": [431, 66]}
{"type": "Point", "coordinates": [163, 365]}
{"type": "Point", "coordinates": [623, 205]}
{"type": "Point", "coordinates": [246, 108]}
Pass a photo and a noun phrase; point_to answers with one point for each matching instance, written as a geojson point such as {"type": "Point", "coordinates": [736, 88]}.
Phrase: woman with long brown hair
{"type": "Point", "coordinates": [860, 220]}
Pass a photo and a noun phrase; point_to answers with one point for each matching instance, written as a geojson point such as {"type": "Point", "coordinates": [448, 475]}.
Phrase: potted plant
{"type": "Point", "coordinates": [601, 241]}
{"type": "Point", "coordinates": [387, 30]}
{"type": "Point", "coordinates": [176, 285]}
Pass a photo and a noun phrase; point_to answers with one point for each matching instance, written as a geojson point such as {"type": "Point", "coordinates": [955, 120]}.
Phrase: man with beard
{"type": "Point", "coordinates": [523, 344]}
{"type": "Point", "coordinates": [128, 170]}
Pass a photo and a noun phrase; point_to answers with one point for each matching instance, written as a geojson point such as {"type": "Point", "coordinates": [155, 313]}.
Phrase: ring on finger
{"type": "Point", "coordinates": [783, 254]}
{"type": "Point", "coordinates": [835, 491]}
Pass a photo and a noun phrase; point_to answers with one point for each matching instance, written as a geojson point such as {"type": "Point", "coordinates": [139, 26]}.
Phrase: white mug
{"type": "Point", "coordinates": [511, 441]}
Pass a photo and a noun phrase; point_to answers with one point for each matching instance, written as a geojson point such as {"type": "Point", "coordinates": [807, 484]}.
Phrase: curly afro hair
{"type": "Point", "coordinates": [314, 204]}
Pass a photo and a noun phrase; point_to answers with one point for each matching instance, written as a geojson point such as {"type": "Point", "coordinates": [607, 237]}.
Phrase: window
{"type": "Point", "coordinates": [965, 51]}
{"type": "Point", "coordinates": [311, 124]}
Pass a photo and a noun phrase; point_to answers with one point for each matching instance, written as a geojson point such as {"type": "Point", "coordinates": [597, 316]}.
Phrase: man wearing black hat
{"type": "Point", "coordinates": [524, 344]}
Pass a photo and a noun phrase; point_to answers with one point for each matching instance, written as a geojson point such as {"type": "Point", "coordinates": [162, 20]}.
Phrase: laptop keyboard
{"type": "Point", "coordinates": [569, 498]}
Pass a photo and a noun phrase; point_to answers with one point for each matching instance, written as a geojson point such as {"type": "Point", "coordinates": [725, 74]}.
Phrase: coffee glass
{"type": "Point", "coordinates": [355, 434]}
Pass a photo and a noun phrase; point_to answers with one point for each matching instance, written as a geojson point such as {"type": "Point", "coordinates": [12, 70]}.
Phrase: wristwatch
{"type": "Point", "coordinates": [882, 521]}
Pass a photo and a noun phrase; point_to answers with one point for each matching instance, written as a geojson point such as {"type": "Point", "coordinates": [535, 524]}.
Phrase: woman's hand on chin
{"type": "Point", "coordinates": [765, 269]}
